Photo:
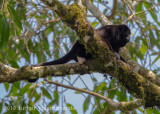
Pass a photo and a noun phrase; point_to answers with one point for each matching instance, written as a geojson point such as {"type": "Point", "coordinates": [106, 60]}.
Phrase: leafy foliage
{"type": "Point", "coordinates": [31, 33]}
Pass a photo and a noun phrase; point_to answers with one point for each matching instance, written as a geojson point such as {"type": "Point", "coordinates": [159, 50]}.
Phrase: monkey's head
{"type": "Point", "coordinates": [117, 35]}
{"type": "Point", "coordinates": [123, 35]}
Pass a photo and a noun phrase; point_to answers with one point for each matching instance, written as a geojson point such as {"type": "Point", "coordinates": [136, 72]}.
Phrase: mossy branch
{"type": "Point", "coordinates": [134, 82]}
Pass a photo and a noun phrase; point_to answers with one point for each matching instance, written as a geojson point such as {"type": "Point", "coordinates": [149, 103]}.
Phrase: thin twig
{"type": "Point", "coordinates": [123, 106]}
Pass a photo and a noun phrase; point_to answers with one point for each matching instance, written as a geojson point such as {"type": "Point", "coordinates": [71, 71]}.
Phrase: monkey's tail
{"type": "Point", "coordinates": [71, 55]}
{"type": "Point", "coordinates": [62, 60]}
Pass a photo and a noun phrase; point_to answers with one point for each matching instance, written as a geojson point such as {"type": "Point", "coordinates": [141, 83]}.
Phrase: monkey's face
{"type": "Point", "coordinates": [124, 33]}
{"type": "Point", "coordinates": [116, 35]}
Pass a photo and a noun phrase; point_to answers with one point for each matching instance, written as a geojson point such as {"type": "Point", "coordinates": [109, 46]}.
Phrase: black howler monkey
{"type": "Point", "coordinates": [116, 36]}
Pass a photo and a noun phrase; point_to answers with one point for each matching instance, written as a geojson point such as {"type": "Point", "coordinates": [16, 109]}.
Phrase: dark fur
{"type": "Point", "coordinates": [116, 36]}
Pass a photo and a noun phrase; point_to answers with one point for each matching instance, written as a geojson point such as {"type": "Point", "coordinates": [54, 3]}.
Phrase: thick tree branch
{"type": "Point", "coordinates": [8, 74]}
{"type": "Point", "coordinates": [138, 68]}
{"type": "Point", "coordinates": [5, 72]}
{"type": "Point", "coordinates": [148, 74]}
{"type": "Point", "coordinates": [135, 83]}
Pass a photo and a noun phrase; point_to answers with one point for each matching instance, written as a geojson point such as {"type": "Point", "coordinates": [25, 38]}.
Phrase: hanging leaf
{"type": "Point", "coordinates": [1, 104]}
{"type": "Point", "coordinates": [142, 16]}
{"type": "Point", "coordinates": [71, 109]}
{"type": "Point", "coordinates": [53, 102]}
{"type": "Point", "coordinates": [151, 11]}
{"type": "Point", "coordinates": [6, 86]}
{"type": "Point", "coordinates": [139, 7]}
{"type": "Point", "coordinates": [24, 89]}
{"type": "Point", "coordinates": [94, 24]}
{"type": "Point", "coordinates": [56, 97]}
{"type": "Point", "coordinates": [4, 31]}
{"type": "Point", "coordinates": [15, 17]}
{"type": "Point", "coordinates": [86, 103]}
{"type": "Point", "coordinates": [46, 93]}
{"type": "Point", "coordinates": [102, 86]}
{"type": "Point", "coordinates": [156, 59]}
{"type": "Point", "coordinates": [143, 49]}
{"type": "Point", "coordinates": [66, 47]}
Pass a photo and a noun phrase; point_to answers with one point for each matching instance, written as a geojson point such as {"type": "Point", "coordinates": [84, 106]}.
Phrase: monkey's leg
{"type": "Point", "coordinates": [81, 60]}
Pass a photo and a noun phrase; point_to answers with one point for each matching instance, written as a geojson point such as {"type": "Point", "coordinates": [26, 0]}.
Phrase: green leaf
{"type": "Point", "coordinates": [112, 93]}
{"type": "Point", "coordinates": [66, 47]}
{"type": "Point", "coordinates": [37, 97]}
{"type": "Point", "coordinates": [56, 48]}
{"type": "Point", "coordinates": [48, 31]}
{"type": "Point", "coordinates": [153, 14]}
{"type": "Point", "coordinates": [1, 104]}
{"type": "Point", "coordinates": [4, 31]}
{"type": "Point", "coordinates": [101, 87]}
{"type": "Point", "coordinates": [1, 3]}
{"type": "Point", "coordinates": [86, 103]}
{"type": "Point", "coordinates": [130, 98]}
{"type": "Point", "coordinates": [56, 96]}
{"type": "Point", "coordinates": [71, 108]}
{"type": "Point", "coordinates": [17, 84]}
{"type": "Point", "coordinates": [73, 36]}
{"type": "Point", "coordinates": [156, 59]}
{"type": "Point", "coordinates": [94, 24]}
{"type": "Point", "coordinates": [105, 11]}
{"type": "Point", "coordinates": [152, 11]}
{"type": "Point", "coordinates": [143, 49]}
{"type": "Point", "coordinates": [34, 111]}
{"type": "Point", "coordinates": [96, 112]}
{"type": "Point", "coordinates": [153, 40]}
{"type": "Point", "coordinates": [14, 64]}
{"type": "Point", "coordinates": [1, 16]}
{"type": "Point", "coordinates": [46, 93]}
{"type": "Point", "coordinates": [53, 102]}
{"type": "Point", "coordinates": [46, 46]}
{"type": "Point", "coordinates": [6, 85]}
{"type": "Point", "coordinates": [121, 95]}
{"type": "Point", "coordinates": [151, 111]}
{"type": "Point", "coordinates": [24, 89]}
{"type": "Point", "coordinates": [142, 16]}
{"type": "Point", "coordinates": [14, 15]}
{"type": "Point", "coordinates": [139, 7]}
{"type": "Point", "coordinates": [14, 88]}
